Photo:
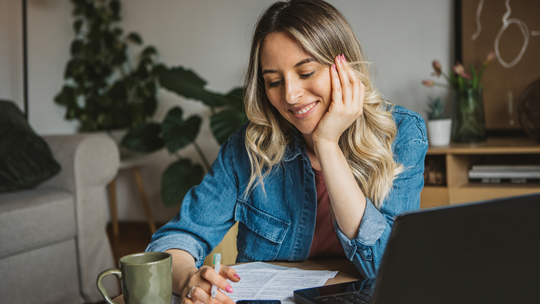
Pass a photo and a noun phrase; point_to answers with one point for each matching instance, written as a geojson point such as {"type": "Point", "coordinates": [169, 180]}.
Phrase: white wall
{"type": "Point", "coordinates": [212, 37]}
{"type": "Point", "coordinates": [11, 52]}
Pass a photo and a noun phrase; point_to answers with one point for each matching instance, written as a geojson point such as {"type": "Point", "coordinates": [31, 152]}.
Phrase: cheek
{"type": "Point", "coordinates": [323, 87]}
{"type": "Point", "coordinates": [273, 98]}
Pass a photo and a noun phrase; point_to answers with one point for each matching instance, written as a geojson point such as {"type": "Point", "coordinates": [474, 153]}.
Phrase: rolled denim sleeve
{"type": "Point", "coordinates": [206, 213]}
{"type": "Point", "coordinates": [367, 248]}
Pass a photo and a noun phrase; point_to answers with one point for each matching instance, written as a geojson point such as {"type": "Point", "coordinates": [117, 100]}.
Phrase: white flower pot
{"type": "Point", "coordinates": [439, 132]}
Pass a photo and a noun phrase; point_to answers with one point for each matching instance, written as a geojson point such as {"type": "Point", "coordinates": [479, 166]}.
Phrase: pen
{"type": "Point", "coordinates": [217, 263]}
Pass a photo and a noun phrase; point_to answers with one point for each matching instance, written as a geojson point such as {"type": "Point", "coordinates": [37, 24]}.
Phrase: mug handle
{"type": "Point", "coordinates": [107, 272]}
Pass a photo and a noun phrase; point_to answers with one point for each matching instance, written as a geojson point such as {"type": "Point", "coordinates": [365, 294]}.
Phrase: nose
{"type": "Point", "coordinates": [293, 90]}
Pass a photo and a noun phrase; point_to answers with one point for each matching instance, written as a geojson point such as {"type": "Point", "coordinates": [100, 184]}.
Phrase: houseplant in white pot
{"type": "Point", "coordinates": [468, 119]}
{"type": "Point", "coordinates": [439, 127]}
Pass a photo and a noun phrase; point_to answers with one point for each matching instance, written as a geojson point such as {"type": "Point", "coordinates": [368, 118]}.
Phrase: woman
{"type": "Point", "coordinates": [322, 168]}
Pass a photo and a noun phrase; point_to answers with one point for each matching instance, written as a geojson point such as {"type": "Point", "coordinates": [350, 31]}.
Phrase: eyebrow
{"type": "Point", "coordinates": [310, 59]}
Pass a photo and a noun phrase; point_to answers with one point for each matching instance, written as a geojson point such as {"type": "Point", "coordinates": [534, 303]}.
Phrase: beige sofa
{"type": "Point", "coordinates": [53, 242]}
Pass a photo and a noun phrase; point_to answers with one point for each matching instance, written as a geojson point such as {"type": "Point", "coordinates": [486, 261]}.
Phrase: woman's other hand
{"type": "Point", "coordinates": [195, 285]}
{"type": "Point", "coordinates": [346, 105]}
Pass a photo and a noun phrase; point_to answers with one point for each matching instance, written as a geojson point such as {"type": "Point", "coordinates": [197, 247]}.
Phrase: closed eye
{"type": "Point", "coordinates": [307, 75]}
{"type": "Point", "coordinates": [303, 76]}
{"type": "Point", "coordinates": [274, 84]}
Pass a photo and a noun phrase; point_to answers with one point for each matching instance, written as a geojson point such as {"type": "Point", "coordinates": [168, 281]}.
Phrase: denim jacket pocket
{"type": "Point", "coordinates": [259, 234]}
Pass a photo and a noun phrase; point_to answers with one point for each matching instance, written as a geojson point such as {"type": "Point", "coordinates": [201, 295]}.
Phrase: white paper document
{"type": "Point", "coordinates": [263, 281]}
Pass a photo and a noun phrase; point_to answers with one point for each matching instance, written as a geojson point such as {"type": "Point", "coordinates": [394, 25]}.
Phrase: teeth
{"type": "Point", "coordinates": [304, 110]}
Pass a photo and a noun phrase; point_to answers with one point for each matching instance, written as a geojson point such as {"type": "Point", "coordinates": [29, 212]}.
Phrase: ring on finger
{"type": "Point", "coordinates": [189, 294]}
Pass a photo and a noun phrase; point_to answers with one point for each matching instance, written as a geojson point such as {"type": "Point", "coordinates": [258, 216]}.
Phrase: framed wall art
{"type": "Point", "coordinates": [511, 29]}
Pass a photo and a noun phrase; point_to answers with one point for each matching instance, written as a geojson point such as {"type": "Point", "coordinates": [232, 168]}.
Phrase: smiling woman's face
{"type": "Point", "coordinates": [296, 84]}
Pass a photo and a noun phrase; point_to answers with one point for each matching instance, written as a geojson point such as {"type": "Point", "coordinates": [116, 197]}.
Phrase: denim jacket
{"type": "Point", "coordinates": [278, 223]}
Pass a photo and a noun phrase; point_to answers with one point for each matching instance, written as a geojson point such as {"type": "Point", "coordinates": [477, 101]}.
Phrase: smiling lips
{"type": "Point", "coordinates": [304, 110]}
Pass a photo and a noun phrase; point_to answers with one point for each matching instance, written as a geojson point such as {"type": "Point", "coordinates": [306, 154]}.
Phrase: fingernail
{"type": "Point", "coordinates": [237, 276]}
{"type": "Point", "coordinates": [344, 60]}
{"type": "Point", "coordinates": [334, 67]}
{"type": "Point", "coordinates": [228, 289]}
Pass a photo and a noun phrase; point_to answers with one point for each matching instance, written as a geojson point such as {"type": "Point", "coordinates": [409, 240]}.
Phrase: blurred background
{"type": "Point", "coordinates": [211, 37]}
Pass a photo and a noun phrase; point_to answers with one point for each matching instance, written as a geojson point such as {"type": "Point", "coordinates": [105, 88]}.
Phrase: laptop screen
{"type": "Point", "coordinates": [487, 252]}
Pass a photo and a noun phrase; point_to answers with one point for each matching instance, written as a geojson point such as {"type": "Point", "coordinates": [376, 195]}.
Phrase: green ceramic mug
{"type": "Point", "coordinates": [146, 278]}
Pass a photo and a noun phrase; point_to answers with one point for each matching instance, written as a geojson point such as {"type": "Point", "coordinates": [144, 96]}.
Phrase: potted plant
{"type": "Point", "coordinates": [103, 89]}
{"type": "Point", "coordinates": [174, 132]}
{"type": "Point", "coordinates": [438, 125]}
{"type": "Point", "coordinates": [468, 120]}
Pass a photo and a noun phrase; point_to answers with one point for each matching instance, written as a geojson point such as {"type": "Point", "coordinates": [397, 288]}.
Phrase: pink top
{"type": "Point", "coordinates": [325, 241]}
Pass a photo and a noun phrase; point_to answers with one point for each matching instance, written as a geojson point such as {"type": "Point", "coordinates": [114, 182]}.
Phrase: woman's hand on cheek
{"type": "Point", "coordinates": [346, 104]}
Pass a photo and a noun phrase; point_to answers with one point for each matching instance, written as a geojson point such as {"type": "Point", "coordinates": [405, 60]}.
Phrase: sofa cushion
{"type": "Point", "coordinates": [35, 218]}
{"type": "Point", "coordinates": [25, 158]}
{"type": "Point", "coordinates": [24, 280]}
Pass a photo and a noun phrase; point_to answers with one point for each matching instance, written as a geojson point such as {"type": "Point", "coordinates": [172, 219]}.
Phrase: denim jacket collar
{"type": "Point", "coordinates": [295, 147]}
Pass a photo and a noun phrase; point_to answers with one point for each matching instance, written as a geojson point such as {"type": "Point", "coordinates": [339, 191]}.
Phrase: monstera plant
{"type": "Point", "coordinates": [176, 132]}
{"type": "Point", "coordinates": [103, 88]}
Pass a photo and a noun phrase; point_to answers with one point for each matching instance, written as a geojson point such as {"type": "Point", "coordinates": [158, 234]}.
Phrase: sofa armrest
{"type": "Point", "coordinates": [89, 162]}
{"type": "Point", "coordinates": [90, 158]}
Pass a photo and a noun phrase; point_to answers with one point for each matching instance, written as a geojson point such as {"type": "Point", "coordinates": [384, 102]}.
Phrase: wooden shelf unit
{"type": "Point", "coordinates": [458, 160]}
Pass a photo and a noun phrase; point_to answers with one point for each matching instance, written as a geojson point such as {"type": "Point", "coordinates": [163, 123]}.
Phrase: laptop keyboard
{"type": "Point", "coordinates": [344, 298]}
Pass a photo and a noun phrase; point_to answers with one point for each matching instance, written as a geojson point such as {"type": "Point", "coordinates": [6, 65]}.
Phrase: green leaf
{"type": "Point", "coordinates": [235, 98]}
{"type": "Point", "coordinates": [105, 121]}
{"type": "Point", "coordinates": [110, 39]}
{"type": "Point", "coordinates": [178, 133]}
{"type": "Point", "coordinates": [142, 70]}
{"type": "Point", "coordinates": [136, 113]}
{"type": "Point", "coordinates": [76, 47]}
{"type": "Point", "coordinates": [151, 89]}
{"type": "Point", "coordinates": [118, 90]}
{"type": "Point", "coordinates": [73, 67]}
{"type": "Point", "coordinates": [474, 77]}
{"type": "Point", "coordinates": [78, 2]}
{"type": "Point", "coordinates": [454, 80]}
{"type": "Point", "coordinates": [89, 11]}
{"type": "Point", "coordinates": [77, 25]}
{"type": "Point", "coordinates": [188, 84]}
{"type": "Point", "coordinates": [150, 105]}
{"type": "Point", "coordinates": [135, 38]}
{"type": "Point", "coordinates": [66, 96]}
{"type": "Point", "coordinates": [144, 138]}
{"type": "Point", "coordinates": [177, 179]}
{"type": "Point", "coordinates": [79, 7]}
{"type": "Point", "coordinates": [119, 57]}
{"type": "Point", "coordinates": [117, 31]}
{"type": "Point", "coordinates": [225, 123]}
{"type": "Point", "coordinates": [159, 69]}
{"type": "Point", "coordinates": [180, 74]}
{"type": "Point", "coordinates": [149, 51]}
{"type": "Point", "coordinates": [115, 6]}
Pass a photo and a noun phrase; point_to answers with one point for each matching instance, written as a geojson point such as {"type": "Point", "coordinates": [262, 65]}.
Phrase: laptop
{"type": "Point", "coordinates": [486, 252]}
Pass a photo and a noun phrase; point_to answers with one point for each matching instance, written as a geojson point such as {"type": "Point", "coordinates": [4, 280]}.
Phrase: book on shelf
{"type": "Point", "coordinates": [505, 180]}
{"type": "Point", "coordinates": [504, 174]}
{"type": "Point", "coordinates": [505, 171]}
{"type": "Point", "coordinates": [519, 168]}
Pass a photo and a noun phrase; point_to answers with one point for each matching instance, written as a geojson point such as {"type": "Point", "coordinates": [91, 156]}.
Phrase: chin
{"type": "Point", "coordinates": [305, 130]}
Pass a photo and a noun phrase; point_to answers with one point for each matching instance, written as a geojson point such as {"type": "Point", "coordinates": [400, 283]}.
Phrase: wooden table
{"type": "Point", "coordinates": [346, 270]}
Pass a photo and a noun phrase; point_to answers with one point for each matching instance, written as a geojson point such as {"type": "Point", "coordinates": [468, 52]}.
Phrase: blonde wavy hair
{"type": "Point", "coordinates": [323, 33]}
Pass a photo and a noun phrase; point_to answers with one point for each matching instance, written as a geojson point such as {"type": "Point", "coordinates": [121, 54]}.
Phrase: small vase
{"type": "Point", "coordinates": [439, 132]}
{"type": "Point", "coordinates": [468, 121]}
